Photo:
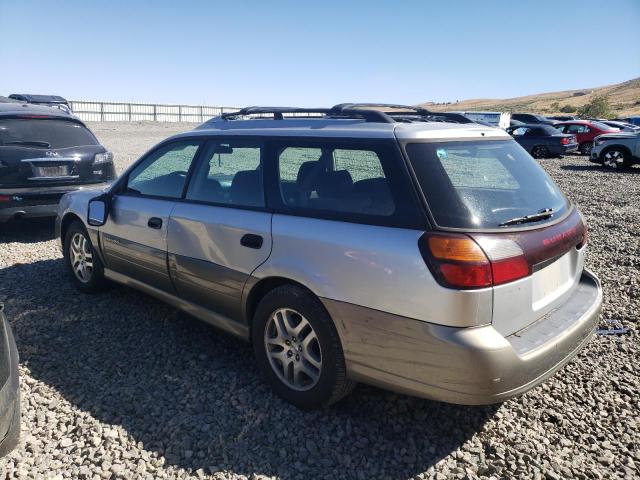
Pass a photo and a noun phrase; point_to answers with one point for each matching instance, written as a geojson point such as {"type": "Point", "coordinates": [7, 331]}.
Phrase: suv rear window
{"type": "Point", "coordinates": [481, 184]}
{"type": "Point", "coordinates": [48, 133]}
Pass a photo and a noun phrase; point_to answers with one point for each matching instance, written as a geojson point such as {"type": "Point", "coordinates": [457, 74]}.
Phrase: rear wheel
{"type": "Point", "coordinates": [615, 158]}
{"type": "Point", "coordinates": [539, 151]}
{"type": "Point", "coordinates": [298, 350]}
{"type": "Point", "coordinates": [585, 148]}
{"type": "Point", "coordinates": [84, 266]}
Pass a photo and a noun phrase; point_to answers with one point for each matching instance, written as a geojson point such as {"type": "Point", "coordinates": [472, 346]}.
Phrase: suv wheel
{"type": "Point", "coordinates": [84, 266]}
{"type": "Point", "coordinates": [539, 151]}
{"type": "Point", "coordinates": [298, 350]}
{"type": "Point", "coordinates": [585, 148]}
{"type": "Point", "coordinates": [615, 158]}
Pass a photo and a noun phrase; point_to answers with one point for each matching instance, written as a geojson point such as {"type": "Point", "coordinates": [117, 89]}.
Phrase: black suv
{"type": "Point", "coordinates": [44, 153]}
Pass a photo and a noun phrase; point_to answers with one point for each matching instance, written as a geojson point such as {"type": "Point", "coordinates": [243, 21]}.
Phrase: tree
{"type": "Point", "coordinates": [568, 108]}
{"type": "Point", "coordinates": [598, 107]}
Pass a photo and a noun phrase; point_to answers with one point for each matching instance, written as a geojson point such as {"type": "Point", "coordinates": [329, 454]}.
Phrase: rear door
{"type": "Point", "coordinates": [221, 232]}
{"type": "Point", "coordinates": [134, 238]}
{"type": "Point", "coordinates": [49, 151]}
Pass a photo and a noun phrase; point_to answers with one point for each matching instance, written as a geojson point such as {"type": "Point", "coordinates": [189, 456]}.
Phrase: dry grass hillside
{"type": "Point", "coordinates": [624, 99]}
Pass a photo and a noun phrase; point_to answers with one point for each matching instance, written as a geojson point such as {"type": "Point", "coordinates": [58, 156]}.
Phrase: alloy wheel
{"type": "Point", "coordinates": [293, 349]}
{"type": "Point", "coordinates": [613, 159]}
{"type": "Point", "coordinates": [81, 257]}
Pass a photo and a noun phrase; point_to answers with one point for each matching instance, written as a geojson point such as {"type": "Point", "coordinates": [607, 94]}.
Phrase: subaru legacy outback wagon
{"type": "Point", "coordinates": [352, 244]}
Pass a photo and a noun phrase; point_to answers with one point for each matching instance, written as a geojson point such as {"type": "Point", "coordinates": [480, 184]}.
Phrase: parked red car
{"type": "Point", "coordinates": [585, 131]}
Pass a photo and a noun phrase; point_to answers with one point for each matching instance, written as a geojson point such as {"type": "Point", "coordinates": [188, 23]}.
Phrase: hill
{"type": "Point", "coordinates": [624, 99]}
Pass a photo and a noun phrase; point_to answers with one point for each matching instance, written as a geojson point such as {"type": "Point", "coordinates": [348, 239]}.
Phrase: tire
{"type": "Point", "coordinates": [615, 158]}
{"type": "Point", "coordinates": [585, 148]}
{"type": "Point", "coordinates": [279, 353]}
{"type": "Point", "coordinates": [78, 249]}
{"type": "Point", "coordinates": [539, 151]}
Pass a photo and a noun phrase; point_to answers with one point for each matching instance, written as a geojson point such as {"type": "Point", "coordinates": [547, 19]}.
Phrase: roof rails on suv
{"type": "Point", "coordinates": [369, 112]}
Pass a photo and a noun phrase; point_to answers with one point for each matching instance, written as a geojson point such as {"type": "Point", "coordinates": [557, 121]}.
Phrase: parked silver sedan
{"type": "Point", "coordinates": [389, 247]}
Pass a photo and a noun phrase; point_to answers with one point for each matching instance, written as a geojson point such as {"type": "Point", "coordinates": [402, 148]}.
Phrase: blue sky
{"type": "Point", "coordinates": [314, 53]}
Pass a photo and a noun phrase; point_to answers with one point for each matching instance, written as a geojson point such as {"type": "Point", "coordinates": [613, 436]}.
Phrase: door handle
{"type": "Point", "coordinates": [250, 240]}
{"type": "Point", "coordinates": [155, 222]}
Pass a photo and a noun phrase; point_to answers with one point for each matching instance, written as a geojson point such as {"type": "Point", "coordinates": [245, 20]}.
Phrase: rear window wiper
{"type": "Point", "coordinates": [534, 217]}
{"type": "Point", "coordinates": [32, 143]}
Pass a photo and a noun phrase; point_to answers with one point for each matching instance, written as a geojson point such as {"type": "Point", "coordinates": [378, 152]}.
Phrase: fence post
{"type": "Point", "coordinates": [101, 112]}
{"type": "Point", "coordinates": [129, 110]}
{"type": "Point", "coordinates": [179, 113]}
{"type": "Point", "coordinates": [155, 117]}
{"type": "Point", "coordinates": [201, 115]}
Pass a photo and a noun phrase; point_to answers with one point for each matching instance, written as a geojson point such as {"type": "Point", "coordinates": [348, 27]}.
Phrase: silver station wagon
{"type": "Point", "coordinates": [384, 244]}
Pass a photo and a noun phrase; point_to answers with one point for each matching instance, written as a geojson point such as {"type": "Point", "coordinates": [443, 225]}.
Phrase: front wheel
{"type": "Point", "coordinates": [83, 265]}
{"type": "Point", "coordinates": [615, 158]}
{"type": "Point", "coordinates": [298, 350]}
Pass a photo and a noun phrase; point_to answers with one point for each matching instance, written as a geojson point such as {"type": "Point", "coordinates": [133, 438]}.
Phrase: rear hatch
{"type": "Point", "coordinates": [501, 222]}
{"type": "Point", "coordinates": [50, 151]}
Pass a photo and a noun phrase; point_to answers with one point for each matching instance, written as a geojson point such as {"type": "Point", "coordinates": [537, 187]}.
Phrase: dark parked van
{"type": "Point", "coordinates": [45, 153]}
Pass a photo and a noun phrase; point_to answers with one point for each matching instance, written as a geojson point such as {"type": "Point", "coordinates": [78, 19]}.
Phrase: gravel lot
{"type": "Point", "coordinates": [122, 386]}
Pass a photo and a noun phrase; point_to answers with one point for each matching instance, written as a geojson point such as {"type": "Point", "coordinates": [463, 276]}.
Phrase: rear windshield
{"type": "Point", "coordinates": [603, 126]}
{"type": "Point", "coordinates": [481, 184]}
{"type": "Point", "coordinates": [46, 133]}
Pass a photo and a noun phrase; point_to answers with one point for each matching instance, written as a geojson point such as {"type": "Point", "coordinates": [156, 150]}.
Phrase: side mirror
{"type": "Point", "coordinates": [98, 211]}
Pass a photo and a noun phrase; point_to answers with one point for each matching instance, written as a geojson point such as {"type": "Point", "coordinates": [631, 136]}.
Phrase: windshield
{"type": "Point", "coordinates": [483, 184]}
{"type": "Point", "coordinates": [44, 133]}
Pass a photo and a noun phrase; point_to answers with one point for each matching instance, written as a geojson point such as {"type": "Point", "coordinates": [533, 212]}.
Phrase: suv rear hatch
{"type": "Point", "coordinates": [500, 222]}
{"type": "Point", "coordinates": [39, 151]}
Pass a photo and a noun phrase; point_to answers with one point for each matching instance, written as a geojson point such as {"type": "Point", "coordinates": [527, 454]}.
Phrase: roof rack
{"type": "Point", "coordinates": [369, 112]}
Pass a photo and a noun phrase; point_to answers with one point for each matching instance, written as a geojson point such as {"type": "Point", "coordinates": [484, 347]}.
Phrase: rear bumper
{"type": "Point", "coordinates": [473, 366]}
{"type": "Point", "coordinates": [36, 201]}
{"type": "Point", "coordinates": [9, 392]}
{"type": "Point", "coordinates": [571, 148]}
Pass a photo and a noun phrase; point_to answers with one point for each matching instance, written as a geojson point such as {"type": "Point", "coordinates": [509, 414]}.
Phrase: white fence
{"type": "Point", "coordinates": [127, 112]}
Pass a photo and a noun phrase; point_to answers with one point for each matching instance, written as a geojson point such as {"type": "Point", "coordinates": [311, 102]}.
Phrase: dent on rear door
{"type": "Point", "coordinates": [207, 262]}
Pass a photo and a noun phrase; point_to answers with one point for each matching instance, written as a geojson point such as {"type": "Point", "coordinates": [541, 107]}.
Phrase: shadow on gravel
{"type": "Point", "coordinates": [27, 230]}
{"type": "Point", "coordinates": [582, 168]}
{"type": "Point", "coordinates": [193, 394]}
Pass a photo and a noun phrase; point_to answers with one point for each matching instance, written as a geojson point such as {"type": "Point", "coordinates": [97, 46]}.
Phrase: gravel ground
{"type": "Point", "coordinates": [122, 386]}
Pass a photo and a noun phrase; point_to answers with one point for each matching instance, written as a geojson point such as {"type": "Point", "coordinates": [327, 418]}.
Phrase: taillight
{"type": "Point", "coordinates": [459, 261]}
{"type": "Point", "coordinates": [5, 198]}
{"type": "Point", "coordinates": [565, 141]}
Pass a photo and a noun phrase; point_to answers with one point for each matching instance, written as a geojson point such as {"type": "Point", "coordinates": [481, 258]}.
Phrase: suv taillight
{"type": "Point", "coordinates": [458, 261]}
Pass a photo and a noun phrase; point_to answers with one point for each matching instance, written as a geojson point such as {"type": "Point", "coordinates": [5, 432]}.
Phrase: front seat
{"type": "Point", "coordinates": [246, 188]}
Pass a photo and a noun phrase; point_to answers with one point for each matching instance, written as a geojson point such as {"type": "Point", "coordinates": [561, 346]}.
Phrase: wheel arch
{"type": "Point", "coordinates": [66, 221]}
{"type": "Point", "coordinates": [619, 146]}
{"type": "Point", "coordinates": [263, 286]}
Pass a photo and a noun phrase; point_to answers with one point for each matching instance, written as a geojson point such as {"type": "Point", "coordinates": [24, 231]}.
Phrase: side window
{"type": "Point", "coordinates": [576, 129]}
{"type": "Point", "coordinates": [534, 132]}
{"type": "Point", "coordinates": [229, 173]}
{"type": "Point", "coordinates": [164, 171]}
{"type": "Point", "coordinates": [361, 164]}
{"type": "Point", "coordinates": [334, 180]}
{"type": "Point", "coordinates": [518, 132]}
{"type": "Point", "coordinates": [560, 128]}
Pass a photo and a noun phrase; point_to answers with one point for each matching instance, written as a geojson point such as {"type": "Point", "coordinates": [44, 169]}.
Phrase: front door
{"type": "Point", "coordinates": [134, 238]}
{"type": "Point", "coordinates": [221, 232]}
